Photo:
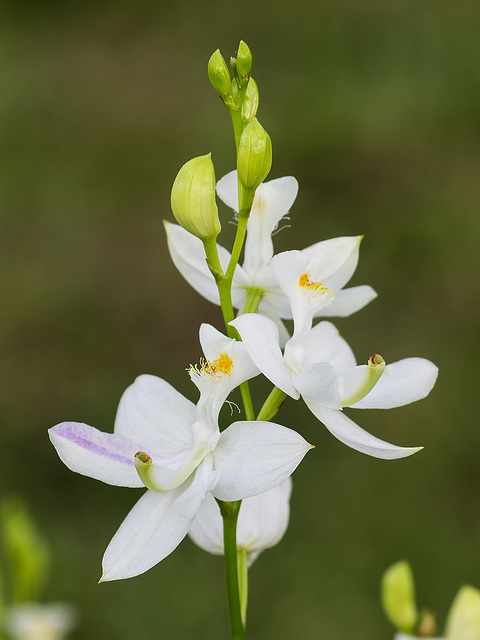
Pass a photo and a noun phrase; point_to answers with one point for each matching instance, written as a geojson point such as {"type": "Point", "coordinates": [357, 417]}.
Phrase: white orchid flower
{"type": "Point", "coordinates": [163, 441]}
{"type": "Point", "coordinates": [262, 522]}
{"type": "Point", "coordinates": [272, 202]}
{"type": "Point", "coordinates": [33, 621]}
{"type": "Point", "coordinates": [319, 365]}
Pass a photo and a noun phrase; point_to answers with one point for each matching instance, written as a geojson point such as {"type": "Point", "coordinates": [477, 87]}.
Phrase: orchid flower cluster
{"type": "Point", "coordinates": [399, 604]}
{"type": "Point", "coordinates": [274, 309]}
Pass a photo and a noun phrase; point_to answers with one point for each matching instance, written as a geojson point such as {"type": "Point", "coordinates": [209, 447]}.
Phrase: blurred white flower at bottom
{"type": "Point", "coordinates": [262, 522]}
{"type": "Point", "coordinates": [32, 621]}
{"type": "Point", "coordinates": [403, 636]}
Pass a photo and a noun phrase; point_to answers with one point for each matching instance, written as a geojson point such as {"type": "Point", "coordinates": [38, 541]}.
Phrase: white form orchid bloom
{"type": "Point", "coordinates": [163, 441]}
{"type": "Point", "coordinates": [272, 202]}
{"type": "Point", "coordinates": [319, 365]}
{"type": "Point", "coordinates": [32, 621]}
{"type": "Point", "coordinates": [262, 522]}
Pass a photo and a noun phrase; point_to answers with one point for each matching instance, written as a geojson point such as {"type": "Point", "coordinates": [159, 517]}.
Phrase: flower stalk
{"type": "Point", "coordinates": [230, 511]}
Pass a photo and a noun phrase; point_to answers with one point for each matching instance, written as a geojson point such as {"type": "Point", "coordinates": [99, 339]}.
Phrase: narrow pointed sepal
{"type": "Point", "coordinates": [355, 437]}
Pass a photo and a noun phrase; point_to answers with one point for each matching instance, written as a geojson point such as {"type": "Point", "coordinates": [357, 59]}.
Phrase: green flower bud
{"type": "Point", "coordinates": [244, 60]}
{"type": "Point", "coordinates": [254, 158]}
{"type": "Point", "coordinates": [193, 198]}
{"type": "Point", "coordinates": [463, 622]}
{"type": "Point", "coordinates": [219, 74]}
{"type": "Point", "coordinates": [398, 596]}
{"type": "Point", "coordinates": [250, 102]}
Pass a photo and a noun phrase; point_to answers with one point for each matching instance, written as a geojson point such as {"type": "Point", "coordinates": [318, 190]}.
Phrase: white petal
{"type": "Point", "coordinates": [403, 382]}
{"type": "Point", "coordinates": [214, 343]}
{"type": "Point", "coordinates": [154, 528]}
{"type": "Point", "coordinates": [320, 383]}
{"type": "Point", "coordinates": [104, 456]}
{"type": "Point", "coordinates": [334, 261]}
{"type": "Point", "coordinates": [307, 297]}
{"type": "Point", "coordinates": [228, 365]}
{"type": "Point", "coordinates": [260, 337]}
{"type": "Point", "coordinates": [267, 308]}
{"type": "Point", "coordinates": [253, 457]}
{"type": "Point", "coordinates": [348, 301]}
{"type": "Point", "coordinates": [355, 437]}
{"type": "Point", "coordinates": [288, 266]}
{"type": "Point", "coordinates": [272, 201]}
{"type": "Point", "coordinates": [188, 255]}
{"type": "Point", "coordinates": [227, 190]}
{"type": "Point", "coordinates": [153, 411]}
{"type": "Point", "coordinates": [262, 521]}
{"type": "Point", "coordinates": [207, 528]}
{"type": "Point", "coordinates": [324, 344]}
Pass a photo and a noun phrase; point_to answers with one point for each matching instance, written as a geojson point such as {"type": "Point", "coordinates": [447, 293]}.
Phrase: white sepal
{"type": "Point", "coordinates": [253, 457]}
{"type": "Point", "coordinates": [355, 437]}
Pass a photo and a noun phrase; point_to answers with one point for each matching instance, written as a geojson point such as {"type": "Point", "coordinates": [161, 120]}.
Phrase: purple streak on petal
{"type": "Point", "coordinates": [108, 445]}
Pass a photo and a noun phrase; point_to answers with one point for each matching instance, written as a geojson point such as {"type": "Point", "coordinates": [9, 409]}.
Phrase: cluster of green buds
{"type": "Point", "coordinates": [193, 193]}
{"type": "Point", "coordinates": [399, 604]}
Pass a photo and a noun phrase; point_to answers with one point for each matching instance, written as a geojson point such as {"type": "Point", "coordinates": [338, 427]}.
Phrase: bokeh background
{"type": "Point", "coordinates": [374, 107]}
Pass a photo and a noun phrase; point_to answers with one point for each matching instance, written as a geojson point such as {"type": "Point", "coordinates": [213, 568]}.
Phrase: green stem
{"type": "Point", "coordinates": [238, 243]}
{"type": "Point", "coordinates": [254, 295]}
{"type": "Point", "coordinates": [242, 561]}
{"type": "Point", "coordinates": [272, 404]}
{"type": "Point", "coordinates": [224, 284]}
{"type": "Point", "coordinates": [247, 401]}
{"type": "Point", "coordinates": [229, 511]}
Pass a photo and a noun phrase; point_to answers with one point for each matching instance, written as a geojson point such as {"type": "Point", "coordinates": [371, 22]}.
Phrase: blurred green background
{"type": "Point", "coordinates": [375, 108]}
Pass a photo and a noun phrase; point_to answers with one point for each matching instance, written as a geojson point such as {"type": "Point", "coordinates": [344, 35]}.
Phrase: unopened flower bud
{"type": "Point", "coordinates": [254, 158]}
{"type": "Point", "coordinates": [193, 198]}
{"type": "Point", "coordinates": [244, 60]}
{"type": "Point", "coordinates": [398, 596]}
{"type": "Point", "coordinates": [219, 74]}
{"type": "Point", "coordinates": [250, 102]}
{"type": "Point", "coordinates": [463, 622]}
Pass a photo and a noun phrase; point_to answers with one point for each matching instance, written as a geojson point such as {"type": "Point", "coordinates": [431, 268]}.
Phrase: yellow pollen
{"type": "Point", "coordinates": [222, 365]}
{"type": "Point", "coordinates": [305, 282]}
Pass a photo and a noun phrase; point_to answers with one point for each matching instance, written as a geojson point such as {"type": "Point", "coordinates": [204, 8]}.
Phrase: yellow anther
{"type": "Point", "coordinates": [305, 282]}
{"type": "Point", "coordinates": [222, 365]}
{"type": "Point", "coordinates": [317, 288]}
